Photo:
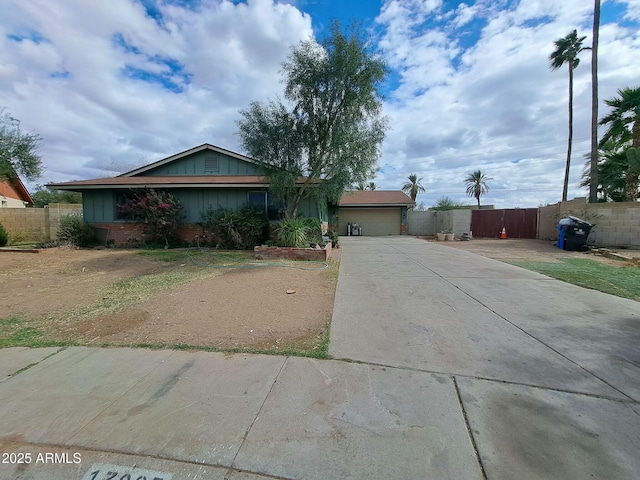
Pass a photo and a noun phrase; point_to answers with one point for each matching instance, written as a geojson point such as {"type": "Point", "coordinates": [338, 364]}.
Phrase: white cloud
{"type": "Point", "coordinates": [500, 103]}
{"type": "Point", "coordinates": [79, 83]}
{"type": "Point", "coordinates": [474, 86]}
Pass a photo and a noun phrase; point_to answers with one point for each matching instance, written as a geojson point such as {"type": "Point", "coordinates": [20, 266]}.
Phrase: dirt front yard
{"type": "Point", "coordinates": [97, 297]}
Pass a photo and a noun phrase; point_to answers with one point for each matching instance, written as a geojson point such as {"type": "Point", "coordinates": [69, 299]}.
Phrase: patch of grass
{"type": "Point", "coordinates": [10, 320]}
{"type": "Point", "coordinates": [129, 291]}
{"type": "Point", "coordinates": [199, 256]}
{"type": "Point", "coordinates": [19, 331]}
{"type": "Point", "coordinates": [620, 281]}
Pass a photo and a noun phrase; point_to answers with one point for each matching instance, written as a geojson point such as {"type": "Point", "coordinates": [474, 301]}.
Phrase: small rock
{"type": "Point", "coordinates": [290, 291]}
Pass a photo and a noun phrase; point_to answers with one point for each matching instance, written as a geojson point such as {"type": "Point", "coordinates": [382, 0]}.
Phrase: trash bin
{"type": "Point", "coordinates": [573, 233]}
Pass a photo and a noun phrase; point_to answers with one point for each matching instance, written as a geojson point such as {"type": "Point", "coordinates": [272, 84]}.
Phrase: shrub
{"type": "Point", "coordinates": [314, 229]}
{"type": "Point", "coordinates": [236, 229]}
{"type": "Point", "coordinates": [293, 232]}
{"type": "Point", "coordinates": [4, 237]}
{"type": "Point", "coordinates": [75, 232]}
{"type": "Point", "coordinates": [159, 214]}
{"type": "Point", "coordinates": [333, 236]}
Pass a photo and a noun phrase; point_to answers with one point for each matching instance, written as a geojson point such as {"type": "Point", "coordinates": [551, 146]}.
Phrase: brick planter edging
{"type": "Point", "coordinates": [263, 252]}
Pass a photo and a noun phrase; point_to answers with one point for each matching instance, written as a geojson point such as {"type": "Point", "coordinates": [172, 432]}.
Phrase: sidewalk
{"type": "Point", "coordinates": [468, 368]}
{"type": "Point", "coordinates": [214, 416]}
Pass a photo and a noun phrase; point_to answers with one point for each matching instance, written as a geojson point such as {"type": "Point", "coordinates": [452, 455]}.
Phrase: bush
{"type": "Point", "coordinates": [236, 229]}
{"type": "Point", "coordinates": [159, 214]}
{"type": "Point", "coordinates": [334, 237]}
{"type": "Point", "coordinates": [293, 232]}
{"type": "Point", "coordinates": [314, 229]}
{"type": "Point", "coordinates": [75, 232]}
{"type": "Point", "coordinates": [4, 237]}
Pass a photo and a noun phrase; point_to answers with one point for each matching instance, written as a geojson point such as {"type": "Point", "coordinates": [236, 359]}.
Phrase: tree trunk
{"type": "Point", "coordinates": [565, 187]}
{"type": "Point", "coordinates": [632, 175]}
{"type": "Point", "coordinates": [593, 169]}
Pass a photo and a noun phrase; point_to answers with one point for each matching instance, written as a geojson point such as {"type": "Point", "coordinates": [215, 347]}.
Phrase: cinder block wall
{"type": "Point", "coordinates": [35, 224]}
{"type": "Point", "coordinates": [24, 224]}
{"type": "Point", "coordinates": [548, 222]}
{"type": "Point", "coordinates": [421, 223]}
{"type": "Point", "coordinates": [617, 224]}
{"type": "Point", "coordinates": [431, 222]}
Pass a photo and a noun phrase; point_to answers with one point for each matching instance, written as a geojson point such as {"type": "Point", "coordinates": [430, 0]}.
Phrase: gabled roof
{"type": "Point", "coordinates": [174, 181]}
{"type": "Point", "coordinates": [14, 188]}
{"type": "Point", "coordinates": [376, 198]}
{"type": "Point", "coordinates": [177, 156]}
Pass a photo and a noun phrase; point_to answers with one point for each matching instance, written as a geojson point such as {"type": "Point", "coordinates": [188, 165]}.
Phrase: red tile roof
{"type": "Point", "coordinates": [375, 198]}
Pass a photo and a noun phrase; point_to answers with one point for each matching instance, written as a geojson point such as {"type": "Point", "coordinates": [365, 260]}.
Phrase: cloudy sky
{"type": "Point", "coordinates": [113, 85]}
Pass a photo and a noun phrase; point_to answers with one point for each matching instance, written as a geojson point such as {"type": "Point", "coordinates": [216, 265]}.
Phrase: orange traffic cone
{"type": "Point", "coordinates": [503, 235]}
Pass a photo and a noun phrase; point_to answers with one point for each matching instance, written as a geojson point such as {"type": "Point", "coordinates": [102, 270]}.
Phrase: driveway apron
{"type": "Point", "coordinates": [548, 374]}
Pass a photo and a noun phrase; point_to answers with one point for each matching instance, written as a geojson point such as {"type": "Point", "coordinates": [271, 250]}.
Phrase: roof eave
{"type": "Point", "coordinates": [156, 185]}
{"type": "Point", "coordinates": [377, 205]}
{"type": "Point", "coordinates": [177, 156]}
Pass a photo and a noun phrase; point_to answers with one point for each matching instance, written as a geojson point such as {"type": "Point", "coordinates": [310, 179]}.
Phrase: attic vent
{"type": "Point", "coordinates": [211, 164]}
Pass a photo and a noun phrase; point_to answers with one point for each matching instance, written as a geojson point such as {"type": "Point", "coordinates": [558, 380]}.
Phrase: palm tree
{"type": "Point", "coordinates": [624, 124]}
{"type": "Point", "coordinates": [593, 165]}
{"type": "Point", "coordinates": [413, 186]}
{"type": "Point", "coordinates": [611, 171]}
{"type": "Point", "coordinates": [477, 184]}
{"type": "Point", "coordinates": [567, 50]}
{"type": "Point", "coordinates": [371, 186]}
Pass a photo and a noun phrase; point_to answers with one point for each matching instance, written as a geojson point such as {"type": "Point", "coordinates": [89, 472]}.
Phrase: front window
{"type": "Point", "coordinates": [258, 200]}
{"type": "Point", "coordinates": [121, 199]}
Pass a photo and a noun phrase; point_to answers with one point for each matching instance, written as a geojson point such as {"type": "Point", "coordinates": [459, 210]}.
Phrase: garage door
{"type": "Point", "coordinates": [374, 221]}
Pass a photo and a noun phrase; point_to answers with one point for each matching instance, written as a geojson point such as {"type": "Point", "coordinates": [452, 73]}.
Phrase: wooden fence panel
{"type": "Point", "coordinates": [518, 223]}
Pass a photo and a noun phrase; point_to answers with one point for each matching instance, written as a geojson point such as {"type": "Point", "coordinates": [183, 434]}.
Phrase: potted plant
{"type": "Point", "coordinates": [440, 236]}
{"type": "Point", "coordinates": [448, 234]}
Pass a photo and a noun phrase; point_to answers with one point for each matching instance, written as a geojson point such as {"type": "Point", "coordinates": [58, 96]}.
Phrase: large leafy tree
{"type": "Point", "coordinates": [623, 125]}
{"type": "Point", "coordinates": [45, 196]}
{"type": "Point", "coordinates": [477, 185]}
{"type": "Point", "coordinates": [328, 134]}
{"type": "Point", "coordinates": [18, 150]}
{"type": "Point", "coordinates": [413, 186]}
{"type": "Point", "coordinates": [567, 50]}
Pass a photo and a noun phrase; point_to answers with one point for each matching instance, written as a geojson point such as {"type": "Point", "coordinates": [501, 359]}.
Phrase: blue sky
{"type": "Point", "coordinates": [113, 85]}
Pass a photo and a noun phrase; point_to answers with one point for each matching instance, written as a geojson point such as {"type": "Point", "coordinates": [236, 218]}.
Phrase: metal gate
{"type": "Point", "coordinates": [518, 223]}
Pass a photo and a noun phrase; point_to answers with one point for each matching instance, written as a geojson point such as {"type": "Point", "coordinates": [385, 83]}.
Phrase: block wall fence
{"type": "Point", "coordinates": [616, 224]}
{"type": "Point", "coordinates": [35, 224]}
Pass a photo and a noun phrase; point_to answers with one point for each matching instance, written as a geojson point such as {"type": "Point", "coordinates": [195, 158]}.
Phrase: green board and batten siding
{"type": "Point", "coordinates": [99, 204]}
{"type": "Point", "coordinates": [205, 163]}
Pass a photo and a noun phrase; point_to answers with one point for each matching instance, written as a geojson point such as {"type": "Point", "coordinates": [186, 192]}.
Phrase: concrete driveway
{"type": "Point", "coordinates": [448, 366]}
{"type": "Point", "coordinates": [547, 373]}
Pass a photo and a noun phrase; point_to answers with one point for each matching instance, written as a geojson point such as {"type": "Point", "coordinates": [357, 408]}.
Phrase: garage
{"type": "Point", "coordinates": [377, 212]}
{"type": "Point", "coordinates": [373, 221]}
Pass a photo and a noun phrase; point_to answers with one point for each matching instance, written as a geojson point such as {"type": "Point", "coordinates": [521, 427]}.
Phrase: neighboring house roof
{"type": "Point", "coordinates": [14, 188]}
{"type": "Point", "coordinates": [191, 151]}
{"type": "Point", "coordinates": [376, 198]}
